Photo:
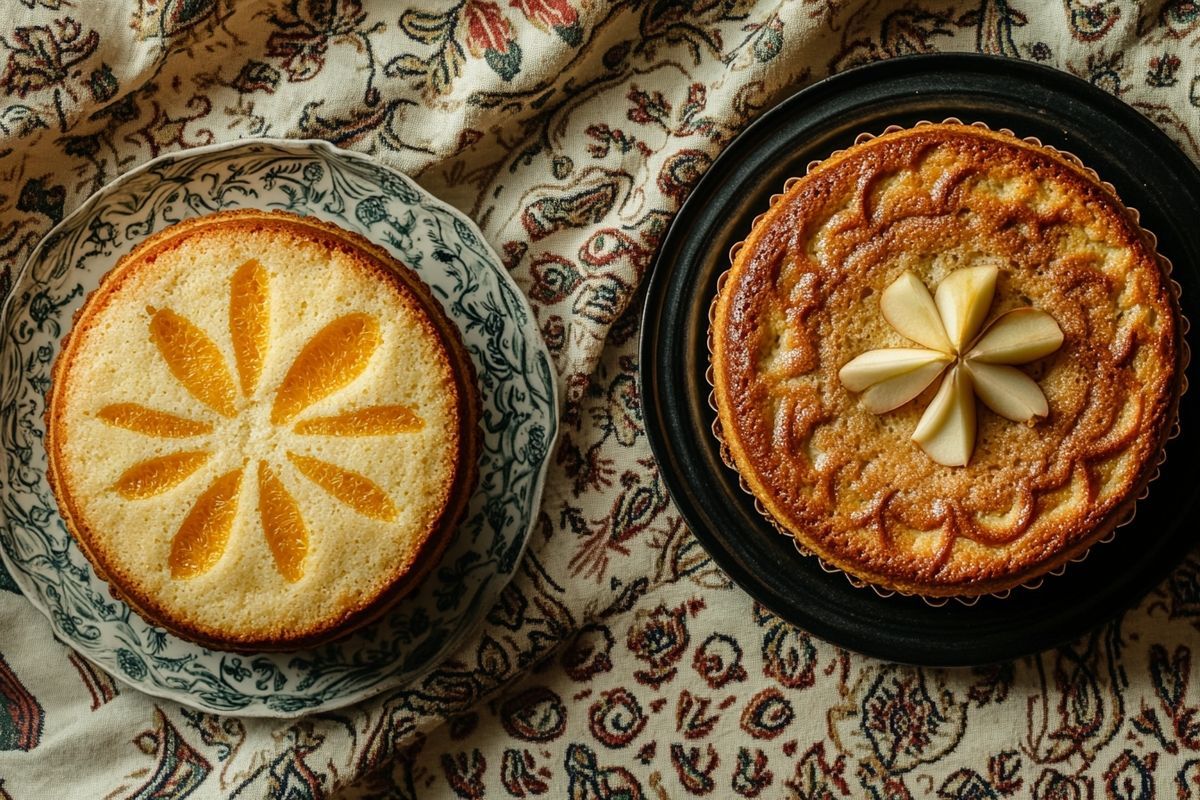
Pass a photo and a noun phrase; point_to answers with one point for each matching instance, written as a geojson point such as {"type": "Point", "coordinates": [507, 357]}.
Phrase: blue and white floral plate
{"type": "Point", "coordinates": [520, 421]}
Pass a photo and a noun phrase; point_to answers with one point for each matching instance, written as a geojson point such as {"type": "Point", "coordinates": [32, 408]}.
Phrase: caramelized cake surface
{"type": "Point", "coordinates": [803, 299]}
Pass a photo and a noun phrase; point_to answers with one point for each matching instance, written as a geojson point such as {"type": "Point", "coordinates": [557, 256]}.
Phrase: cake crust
{"type": "Point", "coordinates": [421, 546]}
{"type": "Point", "coordinates": [802, 299]}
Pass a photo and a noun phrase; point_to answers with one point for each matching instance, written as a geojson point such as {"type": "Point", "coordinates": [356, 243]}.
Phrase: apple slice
{"type": "Point", "coordinates": [1008, 391]}
{"type": "Point", "coordinates": [963, 299]}
{"type": "Point", "coordinates": [946, 431]}
{"type": "Point", "coordinates": [1018, 337]}
{"type": "Point", "coordinates": [890, 394]}
{"type": "Point", "coordinates": [875, 366]}
{"type": "Point", "coordinates": [908, 308]}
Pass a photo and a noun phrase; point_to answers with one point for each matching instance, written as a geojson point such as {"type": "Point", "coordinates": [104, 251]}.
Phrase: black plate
{"type": "Point", "coordinates": [1149, 172]}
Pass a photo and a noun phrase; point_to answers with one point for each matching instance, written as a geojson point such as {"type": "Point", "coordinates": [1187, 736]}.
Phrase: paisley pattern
{"type": "Point", "coordinates": [617, 662]}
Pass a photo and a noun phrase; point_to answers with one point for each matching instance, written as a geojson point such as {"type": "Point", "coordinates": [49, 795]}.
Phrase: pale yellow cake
{"type": "Point", "coordinates": [262, 430]}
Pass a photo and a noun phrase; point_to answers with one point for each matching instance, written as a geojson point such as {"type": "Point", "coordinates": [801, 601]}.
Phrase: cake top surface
{"type": "Point", "coordinates": [909, 213]}
{"type": "Point", "coordinates": [255, 427]}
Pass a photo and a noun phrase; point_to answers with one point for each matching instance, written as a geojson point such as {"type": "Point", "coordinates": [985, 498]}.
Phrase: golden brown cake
{"type": "Point", "coordinates": [262, 430]}
{"type": "Point", "coordinates": [946, 360]}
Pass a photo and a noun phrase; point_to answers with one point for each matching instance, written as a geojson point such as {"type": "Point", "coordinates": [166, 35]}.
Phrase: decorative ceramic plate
{"type": "Point", "coordinates": [1150, 174]}
{"type": "Point", "coordinates": [519, 421]}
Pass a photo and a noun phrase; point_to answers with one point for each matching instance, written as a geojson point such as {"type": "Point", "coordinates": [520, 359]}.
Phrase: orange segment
{"type": "Point", "coordinates": [374, 421]}
{"type": "Point", "coordinates": [353, 489]}
{"type": "Point", "coordinates": [336, 355]}
{"type": "Point", "coordinates": [194, 360]}
{"type": "Point", "coordinates": [282, 524]}
{"type": "Point", "coordinates": [140, 419]}
{"type": "Point", "coordinates": [202, 537]}
{"type": "Point", "coordinates": [248, 322]}
{"type": "Point", "coordinates": [156, 475]}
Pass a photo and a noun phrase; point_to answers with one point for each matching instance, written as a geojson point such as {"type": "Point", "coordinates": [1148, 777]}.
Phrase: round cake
{"type": "Point", "coordinates": [262, 430]}
{"type": "Point", "coordinates": [946, 360]}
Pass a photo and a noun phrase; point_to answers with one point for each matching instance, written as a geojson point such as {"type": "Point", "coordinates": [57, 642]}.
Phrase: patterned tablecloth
{"type": "Point", "coordinates": [620, 663]}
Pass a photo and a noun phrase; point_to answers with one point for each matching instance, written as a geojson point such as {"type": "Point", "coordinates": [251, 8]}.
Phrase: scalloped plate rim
{"type": "Point", "coordinates": [260, 709]}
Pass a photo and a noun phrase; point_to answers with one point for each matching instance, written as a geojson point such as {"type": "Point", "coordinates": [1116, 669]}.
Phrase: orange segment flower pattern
{"type": "Point", "coordinates": [194, 360]}
{"type": "Point", "coordinates": [354, 490]}
{"type": "Point", "coordinates": [374, 421]}
{"type": "Point", "coordinates": [333, 358]}
{"type": "Point", "coordinates": [283, 525]}
{"type": "Point", "coordinates": [249, 322]}
{"type": "Point", "coordinates": [156, 475]}
{"type": "Point", "coordinates": [205, 531]}
{"type": "Point", "coordinates": [138, 418]}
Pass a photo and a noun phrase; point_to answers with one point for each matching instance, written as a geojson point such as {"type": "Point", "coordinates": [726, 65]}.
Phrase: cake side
{"type": "Point", "coordinates": [355, 564]}
{"type": "Point", "coordinates": [802, 299]}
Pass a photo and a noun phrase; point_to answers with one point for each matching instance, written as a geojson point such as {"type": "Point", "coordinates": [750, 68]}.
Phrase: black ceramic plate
{"type": "Point", "coordinates": [1149, 172]}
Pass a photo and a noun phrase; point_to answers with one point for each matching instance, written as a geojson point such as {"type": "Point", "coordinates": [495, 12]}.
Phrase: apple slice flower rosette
{"type": "Point", "coordinates": [971, 359]}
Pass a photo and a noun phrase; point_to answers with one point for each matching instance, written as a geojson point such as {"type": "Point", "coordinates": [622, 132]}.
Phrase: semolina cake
{"type": "Point", "coordinates": [946, 360]}
{"type": "Point", "coordinates": [262, 430]}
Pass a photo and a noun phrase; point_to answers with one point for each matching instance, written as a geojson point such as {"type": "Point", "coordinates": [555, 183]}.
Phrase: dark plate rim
{"type": "Point", "coordinates": [650, 347]}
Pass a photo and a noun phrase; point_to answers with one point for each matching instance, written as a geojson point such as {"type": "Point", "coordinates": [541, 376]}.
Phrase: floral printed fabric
{"type": "Point", "coordinates": [620, 662]}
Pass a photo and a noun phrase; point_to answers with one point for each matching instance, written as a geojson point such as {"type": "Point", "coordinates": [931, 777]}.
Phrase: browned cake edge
{"type": "Point", "coordinates": [433, 541]}
{"type": "Point", "coordinates": [1100, 524]}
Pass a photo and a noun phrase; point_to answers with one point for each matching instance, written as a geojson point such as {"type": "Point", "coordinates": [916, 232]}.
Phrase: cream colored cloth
{"type": "Point", "coordinates": [620, 662]}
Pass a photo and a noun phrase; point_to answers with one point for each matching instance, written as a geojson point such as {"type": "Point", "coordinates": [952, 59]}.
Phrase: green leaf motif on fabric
{"type": "Point", "coordinates": [7, 584]}
{"type": "Point", "coordinates": [103, 84]}
{"type": "Point", "coordinates": [506, 64]}
{"type": "Point", "coordinates": [571, 34]}
{"type": "Point", "coordinates": [42, 198]}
